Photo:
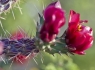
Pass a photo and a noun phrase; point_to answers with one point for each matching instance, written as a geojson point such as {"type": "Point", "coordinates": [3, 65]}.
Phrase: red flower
{"type": "Point", "coordinates": [78, 37]}
{"type": "Point", "coordinates": [54, 20]}
{"type": "Point", "coordinates": [18, 35]}
{"type": "Point", "coordinates": [20, 59]}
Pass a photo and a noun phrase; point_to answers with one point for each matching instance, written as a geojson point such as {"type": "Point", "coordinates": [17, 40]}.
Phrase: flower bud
{"type": "Point", "coordinates": [54, 19]}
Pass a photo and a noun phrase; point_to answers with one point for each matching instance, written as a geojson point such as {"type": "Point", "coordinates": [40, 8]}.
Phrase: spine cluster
{"type": "Point", "coordinates": [6, 5]}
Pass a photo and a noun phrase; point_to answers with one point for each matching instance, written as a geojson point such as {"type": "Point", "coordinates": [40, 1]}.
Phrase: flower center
{"type": "Point", "coordinates": [79, 27]}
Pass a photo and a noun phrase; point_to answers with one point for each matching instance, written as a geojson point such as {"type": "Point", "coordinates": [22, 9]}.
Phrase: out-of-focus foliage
{"type": "Point", "coordinates": [30, 9]}
{"type": "Point", "coordinates": [56, 62]}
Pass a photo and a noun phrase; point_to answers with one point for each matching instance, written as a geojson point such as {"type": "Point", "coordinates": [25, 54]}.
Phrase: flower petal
{"type": "Point", "coordinates": [74, 18]}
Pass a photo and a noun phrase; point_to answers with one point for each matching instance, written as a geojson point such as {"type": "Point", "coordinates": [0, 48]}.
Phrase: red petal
{"type": "Point", "coordinates": [74, 18]}
{"type": "Point", "coordinates": [55, 4]}
{"type": "Point", "coordinates": [79, 52]}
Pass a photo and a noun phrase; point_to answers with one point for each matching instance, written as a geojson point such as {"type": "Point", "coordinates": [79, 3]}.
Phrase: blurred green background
{"type": "Point", "coordinates": [26, 21]}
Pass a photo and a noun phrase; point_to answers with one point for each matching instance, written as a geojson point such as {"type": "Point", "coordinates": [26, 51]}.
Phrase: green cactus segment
{"type": "Point", "coordinates": [54, 47]}
{"type": "Point", "coordinates": [57, 48]}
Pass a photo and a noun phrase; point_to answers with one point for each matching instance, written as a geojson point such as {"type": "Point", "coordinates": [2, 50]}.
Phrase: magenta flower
{"type": "Point", "coordinates": [78, 37]}
{"type": "Point", "coordinates": [54, 19]}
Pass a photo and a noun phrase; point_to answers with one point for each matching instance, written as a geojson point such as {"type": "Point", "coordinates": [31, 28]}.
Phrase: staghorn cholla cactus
{"type": "Point", "coordinates": [75, 40]}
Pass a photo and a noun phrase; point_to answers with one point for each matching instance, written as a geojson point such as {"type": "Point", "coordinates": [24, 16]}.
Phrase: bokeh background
{"type": "Point", "coordinates": [27, 21]}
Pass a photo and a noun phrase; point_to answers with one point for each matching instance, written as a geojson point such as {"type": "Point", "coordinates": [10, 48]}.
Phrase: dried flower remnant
{"type": "Point", "coordinates": [77, 36]}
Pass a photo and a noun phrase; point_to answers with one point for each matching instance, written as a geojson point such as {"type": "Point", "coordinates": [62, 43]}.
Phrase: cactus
{"type": "Point", "coordinates": [19, 46]}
